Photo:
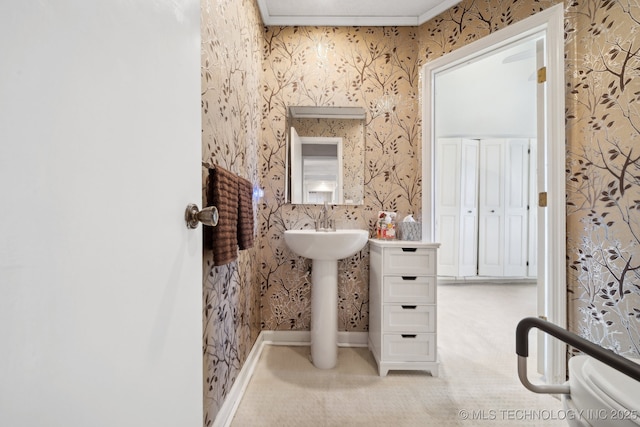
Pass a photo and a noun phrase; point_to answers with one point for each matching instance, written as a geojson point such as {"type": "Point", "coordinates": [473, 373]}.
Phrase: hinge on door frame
{"type": "Point", "coordinates": [542, 75]}
{"type": "Point", "coordinates": [542, 199]}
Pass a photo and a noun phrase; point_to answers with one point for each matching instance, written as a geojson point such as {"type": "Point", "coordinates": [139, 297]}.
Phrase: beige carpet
{"type": "Point", "coordinates": [477, 386]}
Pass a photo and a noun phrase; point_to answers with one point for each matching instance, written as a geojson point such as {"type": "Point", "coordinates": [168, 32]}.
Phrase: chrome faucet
{"type": "Point", "coordinates": [324, 223]}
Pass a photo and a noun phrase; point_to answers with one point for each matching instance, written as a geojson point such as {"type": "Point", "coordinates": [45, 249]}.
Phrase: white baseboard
{"type": "Point", "coordinates": [353, 339]}
{"type": "Point", "coordinates": [345, 339]}
{"type": "Point", "coordinates": [231, 402]}
{"type": "Point", "coordinates": [294, 338]}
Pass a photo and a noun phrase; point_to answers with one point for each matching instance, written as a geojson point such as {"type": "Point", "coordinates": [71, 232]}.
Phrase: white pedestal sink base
{"type": "Point", "coordinates": [325, 248]}
{"type": "Point", "coordinates": [324, 313]}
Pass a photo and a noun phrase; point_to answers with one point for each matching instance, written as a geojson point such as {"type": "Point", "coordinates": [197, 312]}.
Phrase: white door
{"type": "Point", "coordinates": [468, 246]}
{"type": "Point", "coordinates": [100, 280]}
{"type": "Point", "coordinates": [447, 230]}
{"type": "Point", "coordinates": [516, 198]}
{"type": "Point", "coordinates": [491, 208]}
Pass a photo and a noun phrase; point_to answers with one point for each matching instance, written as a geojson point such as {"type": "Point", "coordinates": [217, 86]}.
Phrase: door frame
{"type": "Point", "coordinates": [551, 23]}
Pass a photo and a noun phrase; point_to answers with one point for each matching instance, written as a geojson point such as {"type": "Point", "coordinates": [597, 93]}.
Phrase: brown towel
{"type": "Point", "coordinates": [245, 214]}
{"type": "Point", "coordinates": [223, 194]}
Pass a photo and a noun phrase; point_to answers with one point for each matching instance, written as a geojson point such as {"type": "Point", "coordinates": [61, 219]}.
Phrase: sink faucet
{"type": "Point", "coordinates": [325, 223]}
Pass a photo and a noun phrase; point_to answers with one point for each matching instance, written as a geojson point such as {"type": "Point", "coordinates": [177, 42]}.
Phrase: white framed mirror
{"type": "Point", "coordinates": [325, 161]}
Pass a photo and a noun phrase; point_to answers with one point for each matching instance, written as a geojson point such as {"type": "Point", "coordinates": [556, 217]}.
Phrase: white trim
{"type": "Point", "coordinates": [353, 339]}
{"type": "Point", "coordinates": [551, 21]}
{"type": "Point", "coordinates": [303, 338]}
{"type": "Point", "coordinates": [556, 144]}
{"type": "Point", "coordinates": [232, 401]}
{"type": "Point", "coordinates": [292, 338]}
{"type": "Point", "coordinates": [437, 10]}
{"type": "Point", "coordinates": [340, 21]}
{"type": "Point", "coordinates": [349, 21]}
{"type": "Point", "coordinates": [287, 337]}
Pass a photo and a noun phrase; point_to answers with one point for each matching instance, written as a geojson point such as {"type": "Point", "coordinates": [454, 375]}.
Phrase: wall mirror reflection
{"type": "Point", "coordinates": [325, 155]}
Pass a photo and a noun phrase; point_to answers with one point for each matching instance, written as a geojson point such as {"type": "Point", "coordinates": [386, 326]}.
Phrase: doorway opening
{"type": "Point", "coordinates": [551, 240]}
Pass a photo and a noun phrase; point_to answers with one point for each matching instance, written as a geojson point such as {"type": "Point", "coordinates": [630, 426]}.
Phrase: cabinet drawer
{"type": "Point", "coordinates": [408, 261]}
{"type": "Point", "coordinates": [409, 347]}
{"type": "Point", "coordinates": [409, 318]}
{"type": "Point", "coordinates": [419, 289]}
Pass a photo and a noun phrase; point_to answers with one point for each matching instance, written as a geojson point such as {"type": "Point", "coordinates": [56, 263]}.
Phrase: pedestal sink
{"type": "Point", "coordinates": [325, 248]}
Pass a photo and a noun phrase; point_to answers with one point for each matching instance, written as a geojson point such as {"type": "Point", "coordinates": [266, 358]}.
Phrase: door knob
{"type": "Point", "coordinates": [207, 216]}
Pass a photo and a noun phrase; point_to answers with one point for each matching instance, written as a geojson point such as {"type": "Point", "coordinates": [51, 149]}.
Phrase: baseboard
{"type": "Point", "coordinates": [294, 338]}
{"type": "Point", "coordinates": [345, 339]}
{"type": "Point", "coordinates": [353, 339]}
{"type": "Point", "coordinates": [231, 402]}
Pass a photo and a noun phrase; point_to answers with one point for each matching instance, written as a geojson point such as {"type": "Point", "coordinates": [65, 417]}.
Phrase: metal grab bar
{"type": "Point", "coordinates": [605, 356]}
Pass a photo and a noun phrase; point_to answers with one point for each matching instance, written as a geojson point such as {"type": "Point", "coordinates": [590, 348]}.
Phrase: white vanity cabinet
{"type": "Point", "coordinates": [402, 305]}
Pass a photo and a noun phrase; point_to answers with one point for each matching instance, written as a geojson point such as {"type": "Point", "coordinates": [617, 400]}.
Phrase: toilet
{"type": "Point", "coordinates": [600, 395]}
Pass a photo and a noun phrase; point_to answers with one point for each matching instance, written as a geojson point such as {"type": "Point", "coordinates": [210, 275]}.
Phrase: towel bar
{"type": "Point", "coordinates": [207, 216]}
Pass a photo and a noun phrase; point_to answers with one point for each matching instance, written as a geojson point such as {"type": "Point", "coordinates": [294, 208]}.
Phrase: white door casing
{"type": "Point", "coordinates": [551, 262]}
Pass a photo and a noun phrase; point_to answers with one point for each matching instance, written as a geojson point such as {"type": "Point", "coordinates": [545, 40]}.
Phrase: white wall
{"type": "Point", "coordinates": [489, 98]}
{"type": "Point", "coordinates": [100, 281]}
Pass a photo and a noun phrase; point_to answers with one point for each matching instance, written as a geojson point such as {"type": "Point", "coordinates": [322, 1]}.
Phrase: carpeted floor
{"type": "Point", "coordinates": [477, 386]}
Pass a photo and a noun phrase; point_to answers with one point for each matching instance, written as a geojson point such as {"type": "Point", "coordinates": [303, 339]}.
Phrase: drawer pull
{"type": "Point", "coordinates": [409, 307]}
{"type": "Point", "coordinates": [409, 335]}
{"type": "Point", "coordinates": [409, 277]}
{"type": "Point", "coordinates": [409, 249]}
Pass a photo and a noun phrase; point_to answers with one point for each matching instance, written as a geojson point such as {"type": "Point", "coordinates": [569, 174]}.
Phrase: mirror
{"type": "Point", "coordinates": [325, 161]}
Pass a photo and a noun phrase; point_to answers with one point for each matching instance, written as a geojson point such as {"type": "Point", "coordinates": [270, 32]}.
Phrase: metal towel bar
{"type": "Point", "coordinates": [607, 357]}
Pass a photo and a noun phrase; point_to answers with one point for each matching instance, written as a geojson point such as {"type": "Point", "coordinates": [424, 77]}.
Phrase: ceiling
{"type": "Point", "coordinates": [351, 12]}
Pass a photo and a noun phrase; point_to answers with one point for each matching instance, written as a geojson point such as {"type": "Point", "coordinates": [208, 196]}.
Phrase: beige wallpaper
{"type": "Point", "coordinates": [603, 172]}
{"type": "Point", "coordinates": [250, 74]}
{"type": "Point", "coordinates": [373, 68]}
{"type": "Point", "coordinates": [230, 71]}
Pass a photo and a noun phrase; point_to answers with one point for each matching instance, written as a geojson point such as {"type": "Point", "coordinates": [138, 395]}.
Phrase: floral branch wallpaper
{"type": "Point", "coordinates": [231, 37]}
{"type": "Point", "coordinates": [250, 74]}
{"type": "Point", "coordinates": [603, 173]}
{"type": "Point", "coordinates": [373, 68]}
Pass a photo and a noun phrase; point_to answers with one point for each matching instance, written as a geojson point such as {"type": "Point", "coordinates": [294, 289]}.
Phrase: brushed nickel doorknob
{"type": "Point", "coordinates": [207, 216]}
